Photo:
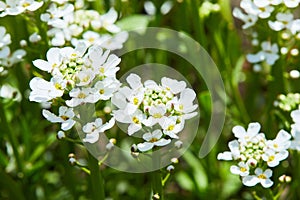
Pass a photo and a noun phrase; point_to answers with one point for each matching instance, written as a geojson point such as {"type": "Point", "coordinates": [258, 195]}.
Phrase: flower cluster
{"type": "Point", "coordinates": [70, 23]}
{"type": "Point", "coordinates": [160, 109]}
{"type": "Point", "coordinates": [255, 154]}
{"type": "Point", "coordinates": [277, 18]}
{"type": "Point", "coordinates": [83, 75]}
{"type": "Point", "coordinates": [295, 144]}
{"type": "Point", "coordinates": [18, 7]}
{"type": "Point", "coordinates": [8, 58]}
{"type": "Point", "coordinates": [288, 102]}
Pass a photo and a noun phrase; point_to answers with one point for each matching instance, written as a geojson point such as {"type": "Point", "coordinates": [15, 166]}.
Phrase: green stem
{"type": "Point", "coordinates": [165, 179]}
{"type": "Point", "coordinates": [156, 178]}
{"type": "Point", "coordinates": [157, 186]}
{"type": "Point", "coordinates": [11, 137]}
{"type": "Point", "coordinates": [96, 179]}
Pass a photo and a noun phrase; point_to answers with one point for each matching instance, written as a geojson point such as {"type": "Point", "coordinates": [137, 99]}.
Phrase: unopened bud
{"type": "Point", "coordinates": [178, 144]}
{"type": "Point", "coordinates": [60, 135]}
{"type": "Point", "coordinates": [175, 160]}
{"type": "Point", "coordinates": [72, 159]}
{"type": "Point", "coordinates": [170, 168]}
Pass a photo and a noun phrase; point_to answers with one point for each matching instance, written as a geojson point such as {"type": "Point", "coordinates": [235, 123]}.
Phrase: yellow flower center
{"type": "Point", "coordinates": [262, 176]}
{"type": "Point", "coordinates": [101, 91]}
{"type": "Point", "coordinates": [135, 101]}
{"type": "Point", "coordinates": [86, 79]}
{"type": "Point", "coordinates": [135, 120]}
{"type": "Point", "coordinates": [101, 70]}
{"type": "Point", "coordinates": [91, 40]}
{"type": "Point", "coordinates": [271, 158]}
{"type": "Point", "coordinates": [157, 115]}
{"type": "Point", "coordinates": [153, 140]}
{"type": "Point", "coordinates": [64, 117]}
{"type": "Point", "coordinates": [26, 4]}
{"type": "Point", "coordinates": [81, 95]}
{"type": "Point", "coordinates": [58, 86]}
{"type": "Point", "coordinates": [243, 169]}
{"type": "Point", "coordinates": [171, 128]}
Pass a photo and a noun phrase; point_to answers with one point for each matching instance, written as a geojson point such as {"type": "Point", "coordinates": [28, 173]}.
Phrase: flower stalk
{"type": "Point", "coordinates": [96, 179]}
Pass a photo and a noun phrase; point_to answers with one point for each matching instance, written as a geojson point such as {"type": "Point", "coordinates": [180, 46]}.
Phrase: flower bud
{"type": "Point", "coordinates": [60, 135]}
{"type": "Point", "coordinates": [170, 168]}
{"type": "Point", "coordinates": [72, 159]}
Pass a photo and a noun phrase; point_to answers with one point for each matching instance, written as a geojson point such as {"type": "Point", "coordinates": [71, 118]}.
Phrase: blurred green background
{"type": "Point", "coordinates": [34, 164]}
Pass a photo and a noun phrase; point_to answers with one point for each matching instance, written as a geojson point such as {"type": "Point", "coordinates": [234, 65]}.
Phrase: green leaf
{"type": "Point", "coordinates": [185, 182]}
{"type": "Point", "coordinates": [198, 170]}
{"type": "Point", "coordinates": [133, 22]}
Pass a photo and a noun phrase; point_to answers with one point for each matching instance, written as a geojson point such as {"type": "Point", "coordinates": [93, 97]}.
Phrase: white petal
{"type": "Point", "coordinates": [174, 85]}
{"type": "Point", "coordinates": [91, 137]}
{"type": "Point", "coordinates": [227, 155]}
{"type": "Point", "coordinates": [145, 146]}
{"type": "Point", "coordinates": [107, 125]}
{"type": "Point", "coordinates": [253, 128]}
{"type": "Point", "coordinates": [51, 117]}
{"type": "Point", "coordinates": [250, 180]}
{"type": "Point", "coordinates": [67, 125]}
{"type": "Point", "coordinates": [266, 183]}
{"type": "Point", "coordinates": [162, 142]}
{"type": "Point", "coordinates": [157, 134]}
{"type": "Point", "coordinates": [239, 131]}
{"type": "Point", "coordinates": [132, 128]}
{"type": "Point", "coordinates": [134, 81]}
{"type": "Point", "coordinates": [235, 170]}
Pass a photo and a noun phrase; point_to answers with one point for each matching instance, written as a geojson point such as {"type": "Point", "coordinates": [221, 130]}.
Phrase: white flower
{"type": "Point", "coordinates": [283, 20]}
{"type": "Point", "coordinates": [246, 136]}
{"type": "Point", "coordinates": [242, 169]}
{"type": "Point", "coordinates": [5, 38]}
{"type": "Point", "coordinates": [291, 3]}
{"type": "Point", "coordinates": [108, 20]}
{"type": "Point", "coordinates": [113, 42]}
{"type": "Point", "coordinates": [264, 3]}
{"type": "Point", "coordinates": [185, 103]}
{"type": "Point", "coordinates": [281, 142]}
{"type": "Point", "coordinates": [35, 37]}
{"type": "Point", "coordinates": [173, 85]}
{"type": "Point", "coordinates": [43, 91]}
{"type": "Point", "coordinates": [294, 26]}
{"type": "Point", "coordinates": [65, 117]}
{"type": "Point", "coordinates": [262, 177]}
{"type": "Point", "coordinates": [9, 92]}
{"type": "Point", "coordinates": [85, 77]}
{"type": "Point", "coordinates": [273, 158]}
{"type": "Point", "coordinates": [105, 89]}
{"type": "Point", "coordinates": [134, 120]}
{"type": "Point", "coordinates": [234, 152]}
{"type": "Point", "coordinates": [269, 54]}
{"type": "Point", "coordinates": [93, 129]}
{"type": "Point", "coordinates": [13, 7]}
{"type": "Point", "coordinates": [152, 139]}
{"type": "Point", "coordinates": [248, 19]}
{"type": "Point", "coordinates": [81, 96]}
{"type": "Point", "coordinates": [104, 65]}
{"type": "Point", "coordinates": [54, 60]}
{"type": "Point", "coordinates": [156, 113]}
{"type": "Point", "coordinates": [295, 143]}
{"type": "Point", "coordinates": [172, 126]}
{"type": "Point", "coordinates": [295, 114]}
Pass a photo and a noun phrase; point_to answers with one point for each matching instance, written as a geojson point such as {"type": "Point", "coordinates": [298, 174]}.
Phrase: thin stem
{"type": "Point", "coordinates": [255, 196]}
{"type": "Point", "coordinates": [166, 179]}
{"type": "Point", "coordinates": [96, 180]}
{"type": "Point", "coordinates": [11, 137]}
{"type": "Point", "coordinates": [157, 184]}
